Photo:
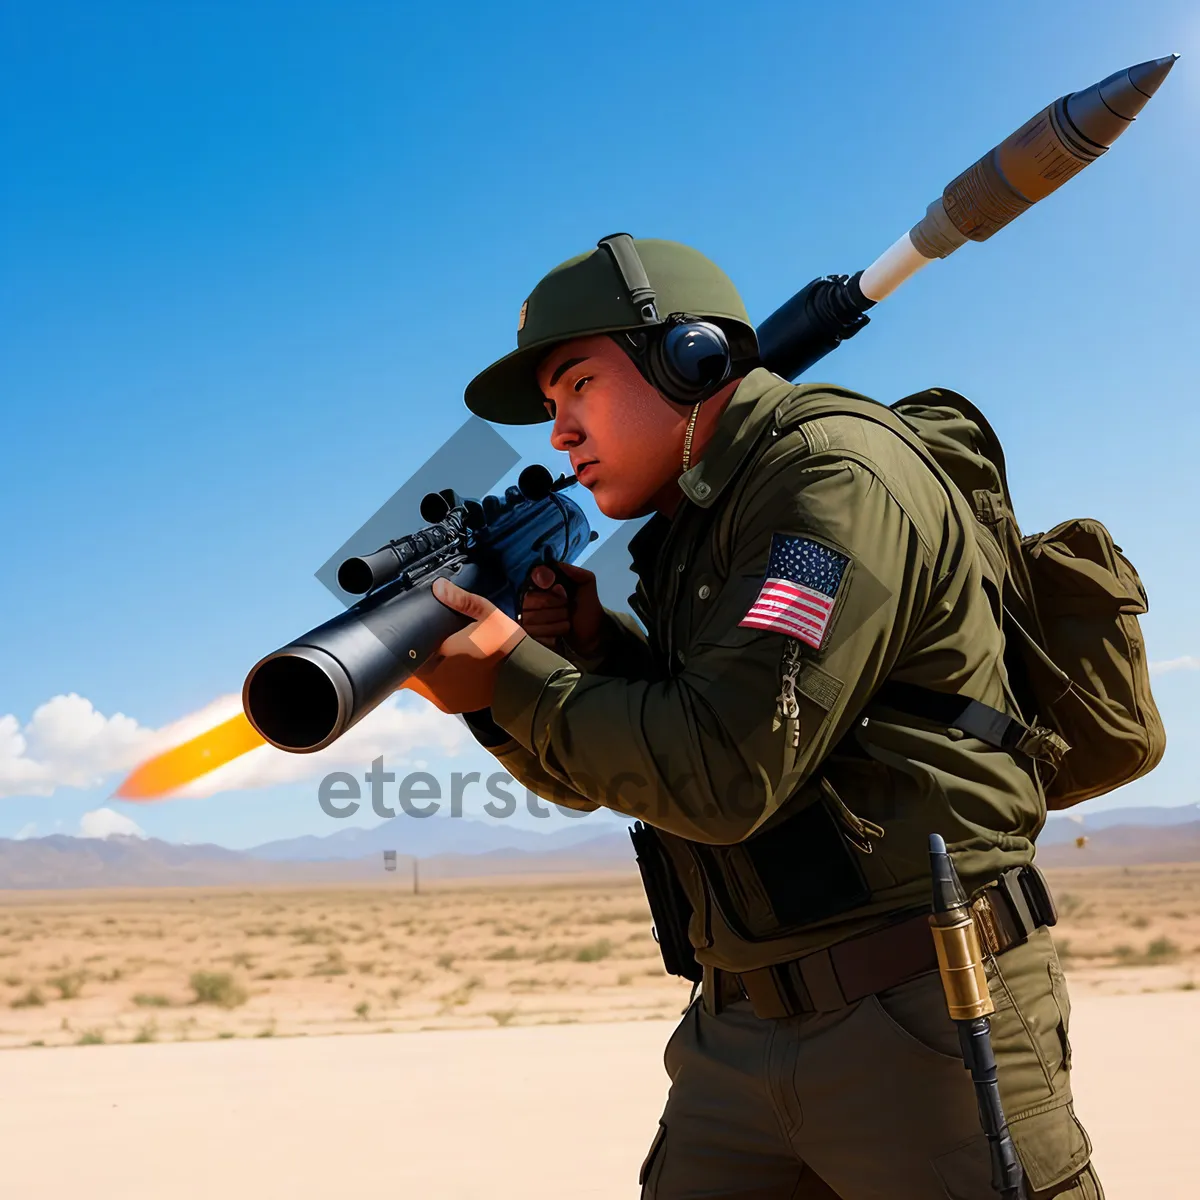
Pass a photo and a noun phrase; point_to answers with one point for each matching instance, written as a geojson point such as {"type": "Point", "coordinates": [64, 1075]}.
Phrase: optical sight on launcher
{"type": "Point", "coordinates": [307, 694]}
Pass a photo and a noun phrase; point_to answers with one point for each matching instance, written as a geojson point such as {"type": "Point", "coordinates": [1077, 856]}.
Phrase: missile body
{"type": "Point", "coordinates": [1024, 168]}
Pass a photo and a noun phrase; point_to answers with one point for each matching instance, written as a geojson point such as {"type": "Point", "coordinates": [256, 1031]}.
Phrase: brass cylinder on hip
{"type": "Point", "coordinates": [960, 964]}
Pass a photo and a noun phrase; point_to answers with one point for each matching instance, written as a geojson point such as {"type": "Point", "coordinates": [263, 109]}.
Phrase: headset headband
{"type": "Point", "coordinates": [633, 275]}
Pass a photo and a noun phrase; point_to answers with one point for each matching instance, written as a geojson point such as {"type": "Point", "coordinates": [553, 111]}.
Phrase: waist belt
{"type": "Point", "coordinates": [1005, 913]}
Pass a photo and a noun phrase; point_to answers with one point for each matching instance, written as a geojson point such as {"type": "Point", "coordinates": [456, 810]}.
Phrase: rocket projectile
{"type": "Point", "coordinates": [1024, 168]}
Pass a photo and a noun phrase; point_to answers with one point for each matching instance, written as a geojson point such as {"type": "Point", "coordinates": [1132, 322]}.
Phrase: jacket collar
{"type": "Point", "coordinates": [747, 416]}
{"type": "Point", "coordinates": [750, 411]}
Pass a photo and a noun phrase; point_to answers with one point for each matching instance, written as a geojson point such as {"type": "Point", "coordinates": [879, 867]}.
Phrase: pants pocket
{"type": "Point", "coordinates": [1029, 1026]}
{"type": "Point", "coordinates": [1052, 1147]}
{"type": "Point", "coordinates": [916, 1013]}
{"type": "Point", "coordinates": [652, 1164]}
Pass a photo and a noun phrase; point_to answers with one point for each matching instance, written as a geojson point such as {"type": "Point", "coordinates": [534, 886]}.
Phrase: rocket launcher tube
{"type": "Point", "coordinates": [307, 694]}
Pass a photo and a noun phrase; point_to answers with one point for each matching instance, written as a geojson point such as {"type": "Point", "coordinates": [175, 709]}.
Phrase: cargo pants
{"type": "Point", "coordinates": [871, 1102]}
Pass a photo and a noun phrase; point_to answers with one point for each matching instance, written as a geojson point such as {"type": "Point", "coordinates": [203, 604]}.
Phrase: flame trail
{"type": "Point", "coordinates": [182, 764]}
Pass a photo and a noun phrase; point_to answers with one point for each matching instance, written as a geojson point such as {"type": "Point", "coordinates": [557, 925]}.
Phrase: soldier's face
{"type": "Point", "coordinates": [625, 440]}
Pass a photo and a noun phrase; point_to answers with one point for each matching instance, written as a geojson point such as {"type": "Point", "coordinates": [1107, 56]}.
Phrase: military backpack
{"type": "Point", "coordinates": [1068, 603]}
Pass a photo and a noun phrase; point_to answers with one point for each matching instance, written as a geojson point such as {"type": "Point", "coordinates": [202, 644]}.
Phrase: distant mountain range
{"type": "Point", "coordinates": [460, 848]}
{"type": "Point", "coordinates": [120, 861]}
{"type": "Point", "coordinates": [426, 836]}
{"type": "Point", "coordinates": [1125, 846]}
{"type": "Point", "coordinates": [1066, 826]}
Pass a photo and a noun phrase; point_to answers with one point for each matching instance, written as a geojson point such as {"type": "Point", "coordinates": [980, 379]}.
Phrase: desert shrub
{"type": "Point", "coordinates": [147, 1032]}
{"type": "Point", "coordinates": [217, 987]}
{"type": "Point", "coordinates": [1162, 948]}
{"type": "Point", "coordinates": [312, 935]}
{"type": "Point", "coordinates": [594, 951]}
{"type": "Point", "coordinates": [90, 1037]}
{"type": "Point", "coordinates": [151, 1000]}
{"type": "Point", "coordinates": [504, 954]}
{"type": "Point", "coordinates": [503, 1016]}
{"type": "Point", "coordinates": [362, 1010]}
{"type": "Point", "coordinates": [31, 999]}
{"type": "Point", "coordinates": [461, 994]}
{"type": "Point", "coordinates": [332, 964]}
{"type": "Point", "coordinates": [70, 984]}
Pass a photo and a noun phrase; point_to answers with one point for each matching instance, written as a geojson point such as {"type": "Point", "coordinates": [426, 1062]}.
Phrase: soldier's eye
{"type": "Point", "coordinates": [578, 385]}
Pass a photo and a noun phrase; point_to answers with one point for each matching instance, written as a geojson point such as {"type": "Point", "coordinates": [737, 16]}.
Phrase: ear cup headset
{"type": "Point", "coordinates": [683, 357]}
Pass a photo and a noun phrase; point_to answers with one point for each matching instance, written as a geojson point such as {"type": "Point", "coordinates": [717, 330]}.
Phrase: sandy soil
{"type": "Point", "coordinates": [515, 1114]}
{"type": "Point", "coordinates": [186, 964]}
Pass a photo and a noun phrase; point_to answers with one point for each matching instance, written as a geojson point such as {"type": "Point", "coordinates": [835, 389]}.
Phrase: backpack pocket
{"type": "Point", "coordinates": [1089, 598]}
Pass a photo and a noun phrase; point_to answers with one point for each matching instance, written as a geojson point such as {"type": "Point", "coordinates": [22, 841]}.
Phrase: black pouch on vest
{"type": "Point", "coordinates": [670, 908]}
{"type": "Point", "coordinates": [786, 876]}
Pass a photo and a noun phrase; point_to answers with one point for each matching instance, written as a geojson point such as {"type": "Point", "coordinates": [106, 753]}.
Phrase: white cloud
{"type": "Point", "coordinates": [104, 822]}
{"type": "Point", "coordinates": [68, 744]}
{"type": "Point", "coordinates": [1189, 662]}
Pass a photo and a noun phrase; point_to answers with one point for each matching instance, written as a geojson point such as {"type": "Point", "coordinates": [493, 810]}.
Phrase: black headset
{"type": "Point", "coordinates": [683, 357]}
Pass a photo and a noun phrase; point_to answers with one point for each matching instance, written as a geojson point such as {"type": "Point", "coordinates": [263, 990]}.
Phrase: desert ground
{"type": "Point", "coordinates": [437, 1100]}
{"type": "Point", "coordinates": [171, 964]}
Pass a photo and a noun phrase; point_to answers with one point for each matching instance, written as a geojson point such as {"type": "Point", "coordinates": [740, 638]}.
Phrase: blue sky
{"type": "Point", "coordinates": [252, 253]}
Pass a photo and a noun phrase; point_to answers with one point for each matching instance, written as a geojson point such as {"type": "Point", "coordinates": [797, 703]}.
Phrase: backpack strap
{"type": "Point", "coordinates": [950, 709]}
{"type": "Point", "coordinates": [972, 717]}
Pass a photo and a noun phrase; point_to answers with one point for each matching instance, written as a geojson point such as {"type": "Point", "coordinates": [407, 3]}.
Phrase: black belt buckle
{"type": "Point", "coordinates": [1027, 899]}
{"type": "Point", "coordinates": [1037, 895]}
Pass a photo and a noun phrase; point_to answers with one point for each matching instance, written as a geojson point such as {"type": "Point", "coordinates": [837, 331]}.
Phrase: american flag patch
{"type": "Point", "coordinates": [802, 583]}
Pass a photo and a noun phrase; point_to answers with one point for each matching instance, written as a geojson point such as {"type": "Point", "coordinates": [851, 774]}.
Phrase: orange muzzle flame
{"type": "Point", "coordinates": [182, 764]}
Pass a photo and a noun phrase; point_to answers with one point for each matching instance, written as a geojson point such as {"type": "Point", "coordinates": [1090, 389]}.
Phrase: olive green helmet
{"type": "Point", "coordinates": [588, 294]}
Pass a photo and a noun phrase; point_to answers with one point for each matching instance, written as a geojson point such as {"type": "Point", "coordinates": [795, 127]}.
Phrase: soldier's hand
{"type": "Point", "coordinates": [460, 676]}
{"type": "Point", "coordinates": [548, 613]}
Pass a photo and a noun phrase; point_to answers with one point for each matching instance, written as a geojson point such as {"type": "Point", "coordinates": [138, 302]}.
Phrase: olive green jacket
{"type": "Point", "coordinates": [693, 728]}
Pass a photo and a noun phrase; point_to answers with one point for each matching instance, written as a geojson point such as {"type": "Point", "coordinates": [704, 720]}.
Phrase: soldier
{"type": "Point", "coordinates": [806, 577]}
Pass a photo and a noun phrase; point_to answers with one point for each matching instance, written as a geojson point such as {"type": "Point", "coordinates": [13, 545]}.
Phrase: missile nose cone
{"type": "Point", "coordinates": [1147, 77]}
{"type": "Point", "coordinates": [1104, 111]}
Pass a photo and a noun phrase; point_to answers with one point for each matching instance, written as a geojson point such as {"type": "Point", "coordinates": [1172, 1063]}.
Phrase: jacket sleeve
{"type": "Point", "coordinates": [522, 765]}
{"type": "Point", "coordinates": [624, 651]}
{"type": "Point", "coordinates": [701, 753]}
